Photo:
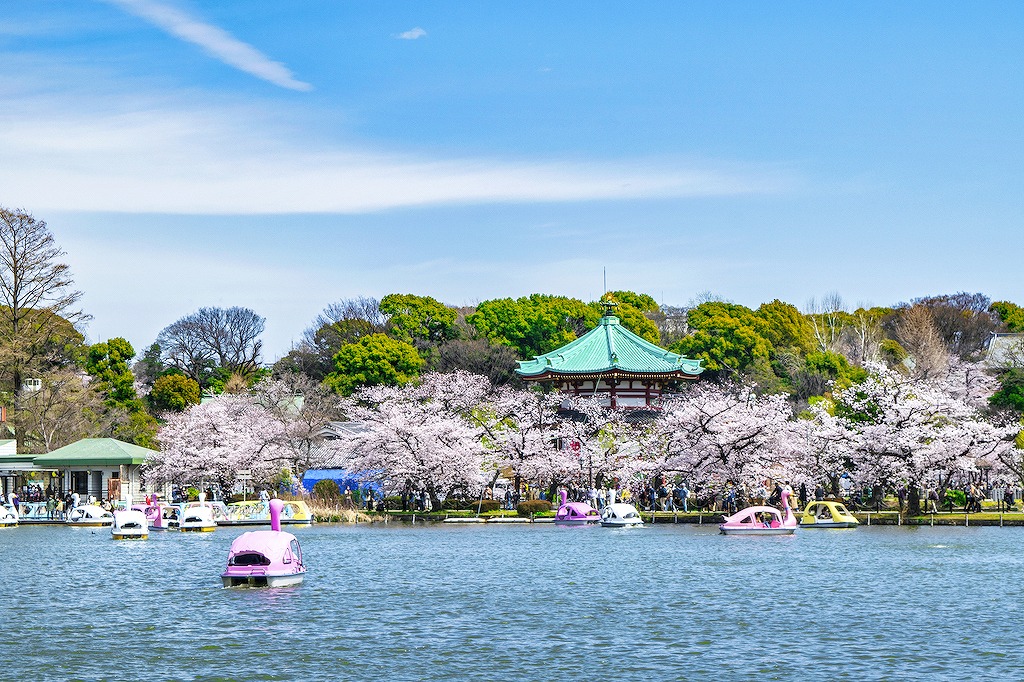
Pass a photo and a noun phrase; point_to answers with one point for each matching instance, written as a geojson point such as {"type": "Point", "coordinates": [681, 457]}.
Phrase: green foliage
{"type": "Point", "coordinates": [150, 366]}
{"type": "Point", "coordinates": [835, 367]}
{"type": "Point", "coordinates": [783, 326]}
{"type": "Point", "coordinates": [958, 497]}
{"type": "Point", "coordinates": [892, 352]}
{"type": "Point", "coordinates": [726, 336]}
{"type": "Point", "coordinates": [529, 507]}
{"type": "Point", "coordinates": [327, 489]}
{"type": "Point", "coordinates": [420, 318]}
{"type": "Point", "coordinates": [108, 364]}
{"type": "Point", "coordinates": [634, 320]}
{"type": "Point", "coordinates": [1011, 391]}
{"type": "Point", "coordinates": [139, 428]}
{"type": "Point", "coordinates": [642, 302]}
{"type": "Point", "coordinates": [1011, 314]}
{"type": "Point", "coordinates": [174, 392]}
{"type": "Point", "coordinates": [535, 324]}
{"type": "Point", "coordinates": [869, 413]}
{"type": "Point", "coordinates": [373, 360]}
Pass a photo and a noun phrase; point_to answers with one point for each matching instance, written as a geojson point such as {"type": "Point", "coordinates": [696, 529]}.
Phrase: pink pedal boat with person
{"type": "Point", "coordinates": [575, 513]}
{"type": "Point", "coordinates": [265, 558]}
{"type": "Point", "coordinates": [761, 520]}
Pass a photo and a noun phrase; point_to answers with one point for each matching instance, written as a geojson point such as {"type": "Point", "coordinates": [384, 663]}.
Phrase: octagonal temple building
{"type": "Point", "coordinates": [613, 364]}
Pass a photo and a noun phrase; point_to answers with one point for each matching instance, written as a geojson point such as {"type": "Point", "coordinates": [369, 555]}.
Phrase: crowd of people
{"type": "Point", "coordinates": [660, 494]}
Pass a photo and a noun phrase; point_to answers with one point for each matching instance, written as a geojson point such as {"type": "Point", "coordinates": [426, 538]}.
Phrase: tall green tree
{"type": "Point", "coordinates": [374, 360]}
{"type": "Point", "coordinates": [783, 326]}
{"type": "Point", "coordinates": [419, 318]}
{"type": "Point", "coordinates": [108, 364]}
{"type": "Point", "coordinates": [727, 337]}
{"type": "Point", "coordinates": [534, 324]}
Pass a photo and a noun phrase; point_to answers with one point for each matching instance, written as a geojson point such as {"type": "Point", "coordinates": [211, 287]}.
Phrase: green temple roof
{"type": "Point", "coordinates": [609, 348]}
{"type": "Point", "coordinates": [94, 452]}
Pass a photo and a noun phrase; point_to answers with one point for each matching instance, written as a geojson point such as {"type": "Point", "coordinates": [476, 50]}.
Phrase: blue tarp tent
{"type": "Point", "coordinates": [358, 482]}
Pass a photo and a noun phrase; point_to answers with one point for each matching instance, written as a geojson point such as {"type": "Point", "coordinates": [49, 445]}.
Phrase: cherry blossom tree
{"type": "Point", "coordinates": [723, 432]}
{"type": "Point", "coordinates": [822, 445]}
{"type": "Point", "coordinates": [608, 441]}
{"type": "Point", "coordinates": [303, 407]}
{"type": "Point", "coordinates": [421, 433]}
{"type": "Point", "coordinates": [524, 432]}
{"type": "Point", "coordinates": [917, 430]}
{"type": "Point", "coordinates": [217, 439]}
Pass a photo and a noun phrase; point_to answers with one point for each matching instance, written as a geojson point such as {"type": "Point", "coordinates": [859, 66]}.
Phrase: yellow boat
{"type": "Point", "coordinates": [827, 514]}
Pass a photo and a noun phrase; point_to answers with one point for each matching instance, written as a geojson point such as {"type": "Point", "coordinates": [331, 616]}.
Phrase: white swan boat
{"type": "Point", "coordinates": [129, 524]}
{"type": "Point", "coordinates": [620, 515]}
{"type": "Point", "coordinates": [90, 515]}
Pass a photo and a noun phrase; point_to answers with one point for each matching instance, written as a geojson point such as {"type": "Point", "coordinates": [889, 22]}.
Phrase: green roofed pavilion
{"type": "Point", "coordinates": [100, 468]}
{"type": "Point", "coordinates": [97, 452]}
{"type": "Point", "coordinates": [612, 363]}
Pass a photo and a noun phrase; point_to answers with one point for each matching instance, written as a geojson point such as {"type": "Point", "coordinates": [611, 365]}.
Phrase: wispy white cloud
{"type": "Point", "coordinates": [230, 161]}
{"type": "Point", "coordinates": [214, 40]}
{"type": "Point", "coordinates": [411, 34]}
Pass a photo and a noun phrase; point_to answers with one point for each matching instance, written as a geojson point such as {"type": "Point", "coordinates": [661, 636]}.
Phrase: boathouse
{"type": "Point", "coordinates": [104, 468]}
{"type": "Point", "coordinates": [613, 364]}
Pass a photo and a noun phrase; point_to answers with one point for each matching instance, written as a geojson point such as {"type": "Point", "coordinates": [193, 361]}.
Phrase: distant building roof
{"type": "Point", "coordinates": [334, 430]}
{"type": "Point", "coordinates": [95, 452]}
{"type": "Point", "coordinates": [609, 347]}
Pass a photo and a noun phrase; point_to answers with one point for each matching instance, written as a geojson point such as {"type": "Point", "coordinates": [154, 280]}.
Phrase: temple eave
{"type": "Point", "coordinates": [611, 374]}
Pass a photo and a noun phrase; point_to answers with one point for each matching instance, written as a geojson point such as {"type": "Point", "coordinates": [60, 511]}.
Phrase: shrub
{"type": "Point", "coordinates": [958, 497]}
{"type": "Point", "coordinates": [485, 505]}
{"type": "Point", "coordinates": [327, 489]}
{"type": "Point", "coordinates": [528, 507]}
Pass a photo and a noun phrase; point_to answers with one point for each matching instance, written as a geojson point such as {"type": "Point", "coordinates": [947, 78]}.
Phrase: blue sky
{"type": "Point", "coordinates": [284, 155]}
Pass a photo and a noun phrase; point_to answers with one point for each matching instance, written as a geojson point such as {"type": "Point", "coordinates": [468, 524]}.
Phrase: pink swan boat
{"type": "Point", "coordinates": [575, 513]}
{"type": "Point", "coordinates": [265, 558]}
{"type": "Point", "coordinates": [761, 520]}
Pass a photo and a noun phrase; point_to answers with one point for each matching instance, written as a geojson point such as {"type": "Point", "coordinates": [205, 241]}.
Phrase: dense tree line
{"type": "Point", "coordinates": [58, 388]}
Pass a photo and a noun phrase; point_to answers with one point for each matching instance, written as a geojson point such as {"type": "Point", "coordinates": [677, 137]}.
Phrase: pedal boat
{"type": "Point", "coordinates": [35, 512]}
{"type": "Point", "coordinates": [265, 558]}
{"type": "Point", "coordinates": [197, 517]}
{"type": "Point", "coordinates": [827, 514]}
{"type": "Point", "coordinates": [620, 515]}
{"type": "Point", "coordinates": [161, 515]}
{"type": "Point", "coordinates": [129, 524]}
{"type": "Point", "coordinates": [8, 516]}
{"type": "Point", "coordinates": [90, 516]}
{"type": "Point", "coordinates": [575, 513]}
{"type": "Point", "coordinates": [761, 520]}
{"type": "Point", "coordinates": [256, 513]}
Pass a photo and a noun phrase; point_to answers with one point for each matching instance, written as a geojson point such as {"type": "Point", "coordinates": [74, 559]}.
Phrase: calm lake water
{"type": "Point", "coordinates": [516, 602]}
